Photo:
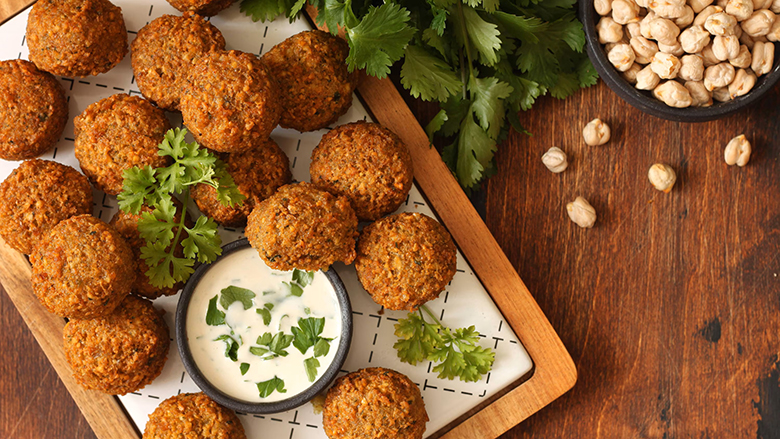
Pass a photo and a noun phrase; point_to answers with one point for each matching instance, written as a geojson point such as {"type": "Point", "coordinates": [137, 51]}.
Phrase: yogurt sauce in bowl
{"type": "Point", "coordinates": [260, 340]}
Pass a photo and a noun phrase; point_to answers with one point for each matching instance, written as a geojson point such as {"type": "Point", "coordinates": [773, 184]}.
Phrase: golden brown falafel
{"type": "Point", "coordinates": [121, 352]}
{"type": "Point", "coordinates": [366, 163]}
{"type": "Point", "coordinates": [165, 49]}
{"type": "Point", "coordinates": [36, 197]}
{"type": "Point", "coordinates": [76, 37]}
{"type": "Point", "coordinates": [207, 8]}
{"type": "Point", "coordinates": [374, 403]}
{"type": "Point", "coordinates": [115, 134]}
{"type": "Point", "coordinates": [303, 227]}
{"type": "Point", "coordinates": [82, 269]}
{"type": "Point", "coordinates": [405, 260]}
{"type": "Point", "coordinates": [193, 415]}
{"type": "Point", "coordinates": [231, 102]}
{"type": "Point", "coordinates": [312, 73]}
{"type": "Point", "coordinates": [258, 173]}
{"type": "Point", "coordinates": [33, 110]}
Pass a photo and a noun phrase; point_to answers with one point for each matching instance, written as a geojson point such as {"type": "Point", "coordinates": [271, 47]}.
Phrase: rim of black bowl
{"type": "Point", "coordinates": [261, 407]}
{"type": "Point", "coordinates": [644, 101]}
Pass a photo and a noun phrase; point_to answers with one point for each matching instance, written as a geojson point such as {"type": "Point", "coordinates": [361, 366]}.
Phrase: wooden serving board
{"type": "Point", "coordinates": [554, 372]}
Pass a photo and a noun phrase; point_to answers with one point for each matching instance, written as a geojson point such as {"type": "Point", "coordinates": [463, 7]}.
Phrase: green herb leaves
{"type": "Point", "coordinates": [214, 317]}
{"type": "Point", "coordinates": [307, 334]}
{"type": "Point", "coordinates": [266, 388]}
{"type": "Point", "coordinates": [379, 40]}
{"type": "Point", "coordinates": [300, 279]}
{"type": "Point", "coordinates": [311, 365]}
{"type": "Point", "coordinates": [164, 227]}
{"type": "Point", "coordinates": [272, 346]}
{"type": "Point", "coordinates": [231, 348]}
{"type": "Point", "coordinates": [458, 353]}
{"type": "Point", "coordinates": [265, 312]}
{"type": "Point", "coordinates": [236, 294]}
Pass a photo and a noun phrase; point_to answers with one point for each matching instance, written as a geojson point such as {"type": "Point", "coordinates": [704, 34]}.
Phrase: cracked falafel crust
{"type": "Point", "coordinates": [193, 415]}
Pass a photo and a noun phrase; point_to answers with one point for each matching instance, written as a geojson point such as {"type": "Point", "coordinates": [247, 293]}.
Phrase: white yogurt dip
{"type": "Point", "coordinates": [274, 297]}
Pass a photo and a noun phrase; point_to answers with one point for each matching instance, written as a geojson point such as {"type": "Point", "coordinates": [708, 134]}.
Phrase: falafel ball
{"type": "Point", "coordinates": [303, 227]}
{"type": "Point", "coordinates": [33, 110]}
{"type": "Point", "coordinates": [405, 260]}
{"type": "Point", "coordinates": [366, 163]}
{"type": "Point", "coordinates": [374, 403]}
{"type": "Point", "coordinates": [115, 134]}
{"type": "Point", "coordinates": [121, 352]}
{"type": "Point", "coordinates": [258, 173]}
{"type": "Point", "coordinates": [193, 415]}
{"type": "Point", "coordinates": [127, 226]}
{"type": "Point", "coordinates": [36, 197]}
{"type": "Point", "coordinates": [165, 49]}
{"type": "Point", "coordinates": [231, 102]}
{"type": "Point", "coordinates": [82, 269]}
{"type": "Point", "coordinates": [312, 72]}
{"type": "Point", "coordinates": [76, 37]}
{"type": "Point", "coordinates": [206, 8]}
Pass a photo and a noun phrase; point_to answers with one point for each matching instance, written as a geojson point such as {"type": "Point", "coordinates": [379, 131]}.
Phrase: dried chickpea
{"type": "Point", "coordinates": [775, 7]}
{"type": "Point", "coordinates": [761, 4]}
{"type": "Point", "coordinates": [686, 18]}
{"type": "Point", "coordinates": [667, 8]}
{"type": "Point", "coordinates": [662, 177]}
{"type": "Point", "coordinates": [692, 68]}
{"type": "Point", "coordinates": [709, 57]}
{"type": "Point", "coordinates": [763, 58]}
{"type": "Point", "coordinates": [673, 94]}
{"type": "Point", "coordinates": [642, 3]}
{"type": "Point", "coordinates": [760, 23]}
{"type": "Point", "coordinates": [718, 76]}
{"type": "Point", "coordinates": [738, 151]}
{"type": "Point", "coordinates": [721, 94]}
{"type": "Point", "coordinates": [596, 132]}
{"type": "Point", "coordinates": [694, 39]}
{"type": "Point", "coordinates": [609, 31]}
{"type": "Point", "coordinates": [625, 11]}
{"type": "Point", "coordinates": [774, 32]}
{"type": "Point", "coordinates": [721, 24]}
{"type": "Point", "coordinates": [743, 60]}
{"type": "Point", "coordinates": [647, 79]}
{"type": "Point", "coordinates": [747, 40]}
{"type": "Point", "coordinates": [631, 73]}
{"type": "Point", "coordinates": [725, 48]}
{"type": "Point", "coordinates": [666, 66]}
{"type": "Point", "coordinates": [555, 160]}
{"type": "Point", "coordinates": [664, 31]}
{"type": "Point", "coordinates": [702, 17]}
{"type": "Point", "coordinates": [581, 213]}
{"type": "Point", "coordinates": [740, 9]}
{"type": "Point", "coordinates": [674, 49]}
{"type": "Point", "coordinates": [603, 7]}
{"type": "Point", "coordinates": [699, 5]}
{"type": "Point", "coordinates": [632, 30]}
{"type": "Point", "coordinates": [644, 25]}
{"type": "Point", "coordinates": [622, 57]}
{"type": "Point", "coordinates": [743, 82]}
{"type": "Point", "coordinates": [700, 96]}
{"type": "Point", "coordinates": [644, 49]}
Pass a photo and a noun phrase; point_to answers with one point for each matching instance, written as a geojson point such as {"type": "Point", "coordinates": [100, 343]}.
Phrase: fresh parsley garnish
{"type": "Point", "coordinates": [265, 312]}
{"type": "Point", "coordinates": [165, 228]}
{"type": "Point", "coordinates": [458, 352]}
{"type": "Point", "coordinates": [302, 278]}
{"type": "Point", "coordinates": [311, 365]}
{"type": "Point", "coordinates": [244, 367]}
{"type": "Point", "coordinates": [295, 289]}
{"type": "Point", "coordinates": [236, 294]}
{"type": "Point", "coordinates": [266, 388]}
{"type": "Point", "coordinates": [214, 317]}
{"type": "Point", "coordinates": [307, 334]}
{"type": "Point", "coordinates": [272, 346]}
{"type": "Point", "coordinates": [231, 346]}
{"type": "Point", "coordinates": [484, 61]}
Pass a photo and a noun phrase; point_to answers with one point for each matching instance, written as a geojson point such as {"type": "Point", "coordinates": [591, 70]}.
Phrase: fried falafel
{"type": "Point", "coordinates": [193, 415]}
{"type": "Point", "coordinates": [206, 8]}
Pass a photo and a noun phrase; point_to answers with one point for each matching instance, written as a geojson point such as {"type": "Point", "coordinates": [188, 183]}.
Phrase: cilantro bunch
{"type": "Point", "coordinates": [458, 352]}
{"type": "Point", "coordinates": [164, 228]}
{"type": "Point", "coordinates": [482, 60]}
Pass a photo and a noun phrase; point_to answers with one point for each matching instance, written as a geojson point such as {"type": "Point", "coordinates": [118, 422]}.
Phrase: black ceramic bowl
{"type": "Point", "coordinates": [645, 101]}
{"type": "Point", "coordinates": [270, 407]}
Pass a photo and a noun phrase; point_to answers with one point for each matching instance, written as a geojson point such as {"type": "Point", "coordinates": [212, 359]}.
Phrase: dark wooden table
{"type": "Point", "coordinates": [669, 305]}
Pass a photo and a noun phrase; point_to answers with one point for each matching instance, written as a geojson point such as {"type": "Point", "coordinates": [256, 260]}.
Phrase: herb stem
{"type": "Point", "coordinates": [428, 311]}
{"type": "Point", "coordinates": [465, 36]}
{"type": "Point", "coordinates": [180, 225]}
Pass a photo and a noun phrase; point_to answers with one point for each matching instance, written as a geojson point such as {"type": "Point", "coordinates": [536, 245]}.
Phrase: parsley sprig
{"type": "Point", "coordinates": [165, 228]}
{"type": "Point", "coordinates": [484, 61]}
{"type": "Point", "coordinates": [458, 352]}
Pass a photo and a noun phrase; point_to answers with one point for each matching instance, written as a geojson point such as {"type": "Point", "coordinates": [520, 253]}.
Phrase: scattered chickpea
{"type": "Point", "coordinates": [581, 213]}
{"type": "Point", "coordinates": [763, 58]}
{"type": "Point", "coordinates": [603, 7]}
{"type": "Point", "coordinates": [721, 94]}
{"type": "Point", "coordinates": [686, 18]}
{"type": "Point", "coordinates": [673, 94]}
{"type": "Point", "coordinates": [632, 30]}
{"type": "Point", "coordinates": [646, 79]}
{"type": "Point", "coordinates": [743, 82]}
{"type": "Point", "coordinates": [718, 76]}
{"type": "Point", "coordinates": [644, 25]}
{"type": "Point", "coordinates": [774, 32]}
{"type": "Point", "coordinates": [709, 57]}
{"type": "Point", "coordinates": [625, 11]}
{"type": "Point", "coordinates": [644, 49]}
{"type": "Point", "coordinates": [666, 66]}
{"type": "Point", "coordinates": [609, 31]}
{"type": "Point", "coordinates": [694, 39]}
{"type": "Point", "coordinates": [700, 96]}
{"type": "Point", "coordinates": [775, 7]}
{"type": "Point", "coordinates": [699, 5]}
{"type": "Point", "coordinates": [761, 4]}
{"type": "Point", "coordinates": [596, 132]}
{"type": "Point", "coordinates": [691, 68]}
{"type": "Point", "coordinates": [738, 151]}
{"type": "Point", "coordinates": [668, 9]}
{"type": "Point", "coordinates": [740, 9]}
{"type": "Point", "coordinates": [705, 14]}
{"type": "Point", "coordinates": [725, 48]}
{"type": "Point", "coordinates": [631, 73]}
{"type": "Point", "coordinates": [664, 31]}
{"type": "Point", "coordinates": [720, 23]}
{"type": "Point", "coordinates": [662, 177]}
{"type": "Point", "coordinates": [622, 57]}
{"type": "Point", "coordinates": [555, 160]}
{"type": "Point", "coordinates": [743, 59]}
{"type": "Point", "coordinates": [760, 23]}
{"type": "Point", "coordinates": [673, 49]}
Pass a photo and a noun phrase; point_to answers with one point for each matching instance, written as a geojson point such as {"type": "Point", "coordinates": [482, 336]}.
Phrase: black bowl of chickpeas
{"type": "Point", "coordinates": [685, 60]}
